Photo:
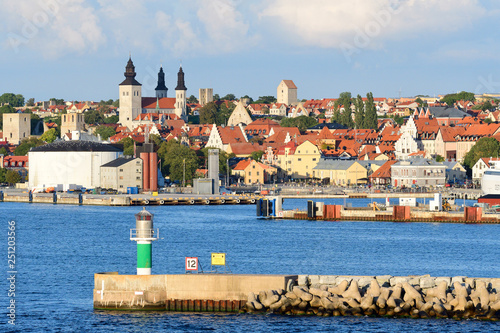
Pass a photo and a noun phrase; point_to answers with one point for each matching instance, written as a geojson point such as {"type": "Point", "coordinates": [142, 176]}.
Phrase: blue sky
{"type": "Point", "coordinates": [77, 49]}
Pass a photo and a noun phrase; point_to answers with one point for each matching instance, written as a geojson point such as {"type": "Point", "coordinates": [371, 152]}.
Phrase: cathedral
{"type": "Point", "coordinates": [133, 106]}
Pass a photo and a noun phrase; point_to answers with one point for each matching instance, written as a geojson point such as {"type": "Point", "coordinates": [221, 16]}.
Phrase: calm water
{"type": "Point", "coordinates": [59, 248]}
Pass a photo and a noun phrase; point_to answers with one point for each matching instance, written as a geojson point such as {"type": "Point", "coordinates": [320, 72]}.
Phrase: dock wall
{"type": "Point", "coordinates": [153, 292]}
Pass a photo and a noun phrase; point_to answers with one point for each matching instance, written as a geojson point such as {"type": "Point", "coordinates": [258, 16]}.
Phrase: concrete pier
{"type": "Point", "coordinates": [153, 292]}
{"type": "Point", "coordinates": [417, 296]}
{"type": "Point", "coordinates": [129, 199]}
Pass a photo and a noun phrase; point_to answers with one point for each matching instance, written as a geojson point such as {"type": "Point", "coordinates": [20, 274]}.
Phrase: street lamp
{"type": "Point", "coordinates": [183, 173]}
{"type": "Point", "coordinates": [227, 169]}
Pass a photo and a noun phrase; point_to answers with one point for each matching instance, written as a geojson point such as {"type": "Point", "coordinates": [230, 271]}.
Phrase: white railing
{"type": "Point", "coordinates": [150, 234]}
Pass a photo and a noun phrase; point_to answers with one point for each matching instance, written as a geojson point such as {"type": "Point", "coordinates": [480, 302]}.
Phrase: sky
{"type": "Point", "coordinates": [78, 49]}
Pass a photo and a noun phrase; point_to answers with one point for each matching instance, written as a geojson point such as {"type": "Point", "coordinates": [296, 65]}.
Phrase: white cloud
{"type": "Point", "coordinates": [367, 23]}
{"type": "Point", "coordinates": [224, 25]}
{"type": "Point", "coordinates": [52, 27]}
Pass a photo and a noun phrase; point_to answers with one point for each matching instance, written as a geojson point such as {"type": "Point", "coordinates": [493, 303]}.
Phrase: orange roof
{"type": "Point", "coordinates": [15, 161]}
{"type": "Point", "coordinates": [242, 164]}
{"type": "Point", "coordinates": [245, 148]}
{"type": "Point", "coordinates": [384, 171]}
{"type": "Point", "coordinates": [163, 103]}
{"type": "Point", "coordinates": [290, 84]}
{"type": "Point", "coordinates": [487, 160]}
{"type": "Point", "coordinates": [325, 134]}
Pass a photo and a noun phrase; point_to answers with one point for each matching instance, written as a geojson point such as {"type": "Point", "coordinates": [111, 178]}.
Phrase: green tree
{"type": "Point", "coordinates": [12, 177]}
{"type": "Point", "coordinates": [49, 136]}
{"type": "Point", "coordinates": [156, 139]}
{"type": "Point", "coordinates": [192, 99]}
{"type": "Point", "coordinates": [26, 145]}
{"type": "Point", "coordinates": [93, 117]}
{"type": "Point", "coordinates": [176, 159]}
{"type": "Point", "coordinates": [257, 155]}
{"type": "Point", "coordinates": [371, 120]}
{"type": "Point", "coordinates": [266, 100]}
{"type": "Point", "coordinates": [229, 97]}
{"type": "Point", "coordinates": [128, 146]}
{"type": "Point", "coordinates": [216, 97]}
{"type": "Point", "coordinates": [12, 99]}
{"type": "Point", "coordinates": [450, 99]}
{"type": "Point", "coordinates": [302, 122]}
{"type": "Point", "coordinates": [208, 113]}
{"type": "Point", "coordinates": [116, 103]}
{"type": "Point", "coordinates": [484, 147]}
{"type": "Point", "coordinates": [30, 102]}
{"type": "Point", "coordinates": [487, 121]}
{"type": "Point", "coordinates": [4, 151]}
{"type": "Point", "coordinates": [359, 116]}
{"type": "Point", "coordinates": [439, 158]}
{"type": "Point", "coordinates": [105, 131]}
{"type": "Point", "coordinates": [224, 113]}
{"type": "Point", "coordinates": [112, 119]}
{"type": "Point", "coordinates": [3, 171]}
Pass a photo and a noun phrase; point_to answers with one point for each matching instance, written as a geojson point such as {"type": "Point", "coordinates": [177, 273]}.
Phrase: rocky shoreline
{"type": "Point", "coordinates": [412, 296]}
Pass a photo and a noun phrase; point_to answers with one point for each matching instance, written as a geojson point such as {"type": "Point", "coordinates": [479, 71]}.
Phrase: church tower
{"type": "Point", "coordinates": [161, 89]}
{"type": "Point", "coordinates": [180, 96]}
{"type": "Point", "coordinates": [130, 96]}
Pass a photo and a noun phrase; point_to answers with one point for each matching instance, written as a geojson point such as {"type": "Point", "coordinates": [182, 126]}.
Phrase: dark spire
{"type": "Point", "coordinates": [161, 80]}
{"type": "Point", "coordinates": [180, 80]}
{"type": "Point", "coordinates": [130, 75]}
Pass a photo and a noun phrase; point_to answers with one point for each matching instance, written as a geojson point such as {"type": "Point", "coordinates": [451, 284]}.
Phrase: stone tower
{"type": "Point", "coordinates": [161, 89]}
{"type": "Point", "coordinates": [180, 96]}
{"type": "Point", "coordinates": [16, 127]}
{"type": "Point", "coordinates": [130, 96]}
{"type": "Point", "coordinates": [72, 122]}
{"type": "Point", "coordinates": [287, 92]}
{"type": "Point", "coordinates": [206, 96]}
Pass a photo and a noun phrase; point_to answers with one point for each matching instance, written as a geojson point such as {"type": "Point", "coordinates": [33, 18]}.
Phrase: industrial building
{"type": "Point", "coordinates": [122, 173]}
{"type": "Point", "coordinates": [69, 164]}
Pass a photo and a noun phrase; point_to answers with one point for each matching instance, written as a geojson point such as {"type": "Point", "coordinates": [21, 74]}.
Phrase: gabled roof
{"type": "Point", "coordinates": [384, 171]}
{"type": "Point", "coordinates": [242, 164]}
{"type": "Point", "coordinates": [334, 164]}
{"type": "Point", "coordinates": [163, 103]}
{"type": "Point", "coordinates": [289, 84]}
{"type": "Point", "coordinates": [325, 134]}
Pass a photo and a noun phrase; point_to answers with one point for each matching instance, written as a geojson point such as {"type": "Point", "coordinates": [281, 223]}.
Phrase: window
{"type": "Point", "coordinates": [299, 159]}
{"type": "Point", "coordinates": [138, 178]}
{"type": "Point", "coordinates": [314, 159]}
{"type": "Point", "coordinates": [121, 177]}
{"type": "Point", "coordinates": [121, 186]}
{"type": "Point", "coordinates": [121, 170]}
{"type": "Point", "coordinates": [258, 173]}
{"type": "Point", "coordinates": [249, 173]}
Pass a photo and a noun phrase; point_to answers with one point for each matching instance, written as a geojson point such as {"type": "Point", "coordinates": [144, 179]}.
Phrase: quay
{"type": "Point", "coordinates": [418, 296]}
{"type": "Point", "coordinates": [271, 207]}
{"type": "Point", "coordinates": [127, 199]}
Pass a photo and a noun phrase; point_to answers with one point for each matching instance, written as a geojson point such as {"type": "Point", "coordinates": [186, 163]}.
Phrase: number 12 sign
{"type": "Point", "coordinates": [191, 263]}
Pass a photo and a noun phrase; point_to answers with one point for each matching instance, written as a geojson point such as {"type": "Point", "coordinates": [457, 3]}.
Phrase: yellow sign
{"type": "Point", "coordinates": [218, 259]}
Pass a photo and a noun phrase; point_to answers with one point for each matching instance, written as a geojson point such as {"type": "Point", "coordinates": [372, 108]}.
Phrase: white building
{"type": "Point", "coordinates": [69, 164]}
{"type": "Point", "coordinates": [407, 144]}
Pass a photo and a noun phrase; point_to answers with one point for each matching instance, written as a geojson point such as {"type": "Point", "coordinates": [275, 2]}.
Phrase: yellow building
{"type": "Point", "coordinates": [253, 172]}
{"type": "Point", "coordinates": [341, 172]}
{"type": "Point", "coordinates": [306, 157]}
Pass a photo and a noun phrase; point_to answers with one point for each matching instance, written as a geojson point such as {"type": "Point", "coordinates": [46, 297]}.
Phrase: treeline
{"type": "Point", "coordinates": [365, 112]}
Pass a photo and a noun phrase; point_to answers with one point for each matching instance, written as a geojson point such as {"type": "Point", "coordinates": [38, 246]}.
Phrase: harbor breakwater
{"type": "Point", "coordinates": [391, 296]}
{"type": "Point", "coordinates": [413, 296]}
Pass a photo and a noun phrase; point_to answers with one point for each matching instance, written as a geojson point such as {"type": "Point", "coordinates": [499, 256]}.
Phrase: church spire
{"type": "Point", "coordinates": [161, 80]}
{"type": "Point", "coordinates": [130, 74]}
{"type": "Point", "coordinates": [180, 80]}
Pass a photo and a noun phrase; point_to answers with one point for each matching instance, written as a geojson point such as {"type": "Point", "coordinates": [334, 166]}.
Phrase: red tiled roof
{"type": "Point", "coordinates": [290, 84]}
{"type": "Point", "coordinates": [163, 103]}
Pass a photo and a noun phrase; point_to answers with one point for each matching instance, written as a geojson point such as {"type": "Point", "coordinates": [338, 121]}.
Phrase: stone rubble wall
{"type": "Point", "coordinates": [394, 296]}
